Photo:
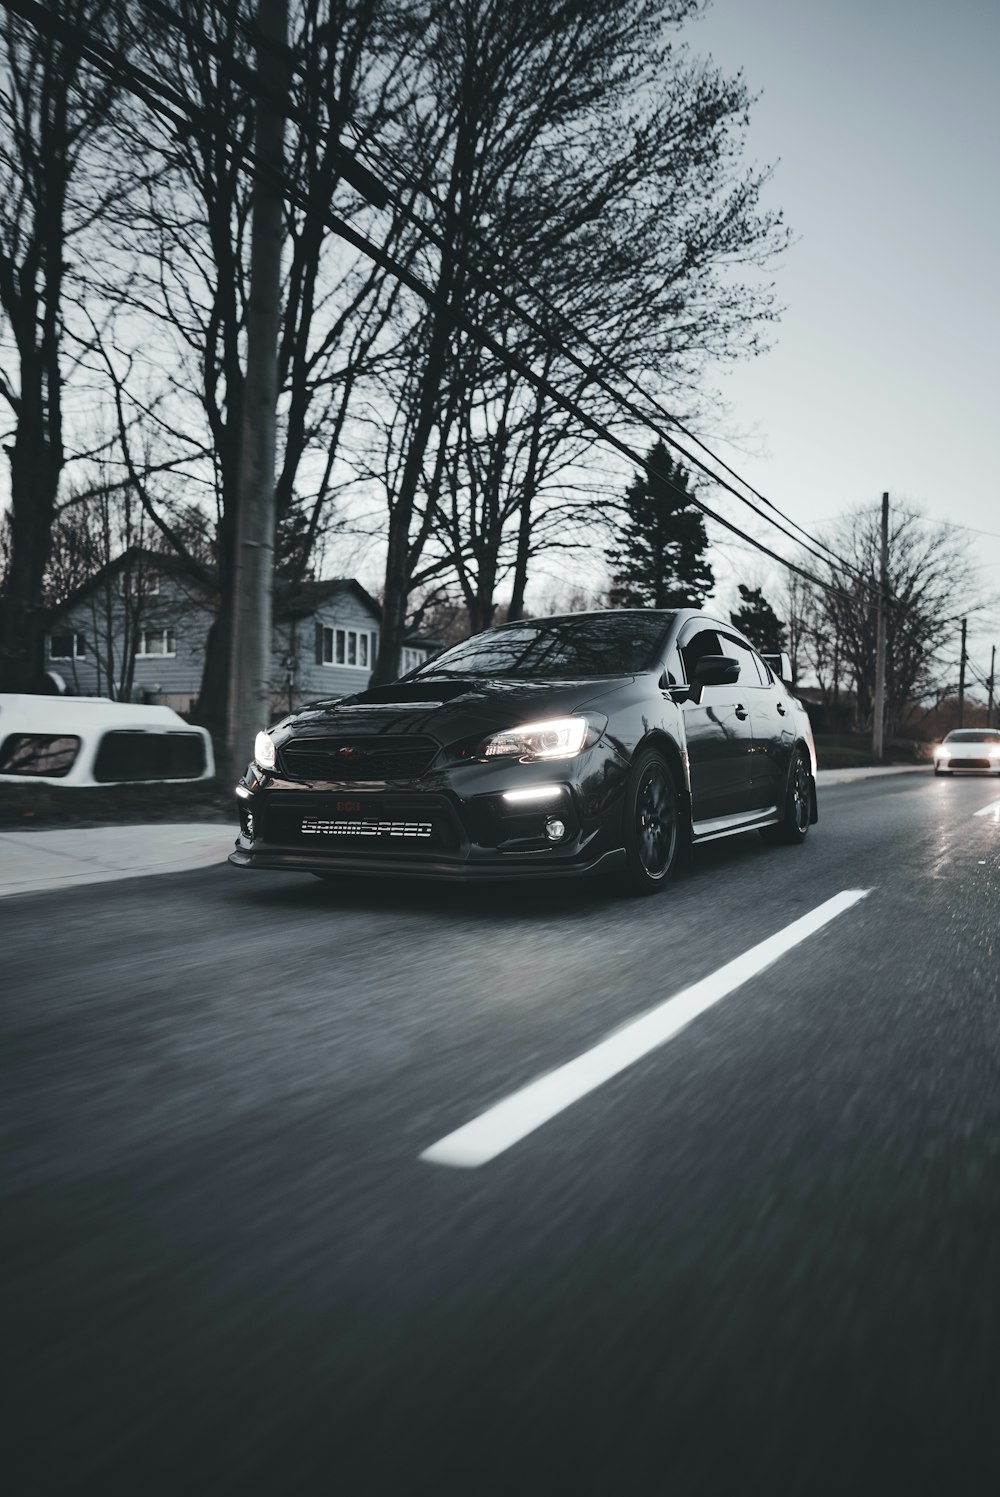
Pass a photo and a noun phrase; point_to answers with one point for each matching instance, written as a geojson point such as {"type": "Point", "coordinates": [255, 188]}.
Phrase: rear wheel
{"type": "Point", "coordinates": [794, 823]}
{"type": "Point", "coordinates": [652, 824]}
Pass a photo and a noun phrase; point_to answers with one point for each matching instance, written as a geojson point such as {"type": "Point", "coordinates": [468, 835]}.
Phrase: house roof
{"type": "Point", "coordinates": [305, 598]}
{"type": "Point", "coordinates": [302, 599]}
{"type": "Point", "coordinates": [291, 600]}
{"type": "Point", "coordinates": [167, 563]}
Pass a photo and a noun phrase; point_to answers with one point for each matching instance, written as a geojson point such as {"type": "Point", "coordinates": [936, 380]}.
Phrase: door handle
{"type": "Point", "coordinates": [781, 708]}
{"type": "Point", "coordinates": [741, 711]}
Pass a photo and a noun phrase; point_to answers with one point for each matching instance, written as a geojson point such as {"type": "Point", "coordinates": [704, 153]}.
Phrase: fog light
{"type": "Point", "coordinates": [555, 829]}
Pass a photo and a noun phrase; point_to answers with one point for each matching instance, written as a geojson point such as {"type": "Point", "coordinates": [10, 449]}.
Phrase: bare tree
{"type": "Point", "coordinates": [182, 393]}
{"type": "Point", "coordinates": [54, 107]}
{"type": "Point", "coordinates": [930, 582]}
{"type": "Point", "coordinates": [585, 171]}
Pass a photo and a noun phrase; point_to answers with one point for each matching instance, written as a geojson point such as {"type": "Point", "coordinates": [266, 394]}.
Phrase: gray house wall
{"type": "Point", "coordinates": [102, 617]}
{"type": "Point", "coordinates": [299, 673]}
{"type": "Point", "coordinates": [300, 641]}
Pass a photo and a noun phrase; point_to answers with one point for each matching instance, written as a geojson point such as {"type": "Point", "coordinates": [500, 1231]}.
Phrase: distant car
{"type": "Point", "coordinates": [59, 740]}
{"type": "Point", "coordinates": [967, 750]}
{"type": "Point", "coordinates": [563, 746]}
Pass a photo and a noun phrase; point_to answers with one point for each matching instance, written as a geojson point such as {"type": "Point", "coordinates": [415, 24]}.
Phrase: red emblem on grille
{"type": "Point", "coordinates": [349, 753]}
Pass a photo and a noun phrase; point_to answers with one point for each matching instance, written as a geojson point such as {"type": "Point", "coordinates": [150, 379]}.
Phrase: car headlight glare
{"type": "Point", "coordinates": [558, 738]}
{"type": "Point", "coordinates": [263, 751]}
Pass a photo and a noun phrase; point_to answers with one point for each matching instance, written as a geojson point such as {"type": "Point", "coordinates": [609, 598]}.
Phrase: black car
{"type": "Point", "coordinates": [589, 743]}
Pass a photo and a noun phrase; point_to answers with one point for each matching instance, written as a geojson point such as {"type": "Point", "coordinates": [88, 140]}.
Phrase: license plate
{"type": "Point", "coordinates": [370, 828]}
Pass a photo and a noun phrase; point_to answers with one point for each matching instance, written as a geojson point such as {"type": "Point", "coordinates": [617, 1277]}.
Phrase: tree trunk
{"type": "Point", "coordinates": [35, 466]}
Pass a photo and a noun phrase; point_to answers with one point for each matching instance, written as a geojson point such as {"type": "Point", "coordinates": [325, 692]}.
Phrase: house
{"type": "Point", "coordinates": [326, 641]}
{"type": "Point", "coordinates": [137, 631]}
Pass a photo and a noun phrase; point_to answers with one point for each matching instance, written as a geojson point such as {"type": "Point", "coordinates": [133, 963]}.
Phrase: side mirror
{"type": "Point", "coordinates": [781, 665]}
{"type": "Point", "coordinates": [716, 670]}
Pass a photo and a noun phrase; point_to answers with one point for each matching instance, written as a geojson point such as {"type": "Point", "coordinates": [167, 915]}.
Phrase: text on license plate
{"type": "Point", "coordinates": [314, 826]}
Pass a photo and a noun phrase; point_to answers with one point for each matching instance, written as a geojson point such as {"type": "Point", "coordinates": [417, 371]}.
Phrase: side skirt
{"type": "Point", "coordinates": [725, 826]}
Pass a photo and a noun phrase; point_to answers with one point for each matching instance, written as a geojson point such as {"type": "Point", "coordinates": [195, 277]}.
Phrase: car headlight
{"type": "Point", "coordinates": [263, 751]}
{"type": "Point", "coordinates": [557, 738]}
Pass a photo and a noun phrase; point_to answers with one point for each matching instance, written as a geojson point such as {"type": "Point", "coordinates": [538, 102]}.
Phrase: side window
{"type": "Point", "coordinates": [749, 674]}
{"type": "Point", "coordinates": [705, 642]}
{"type": "Point", "coordinates": [764, 671]}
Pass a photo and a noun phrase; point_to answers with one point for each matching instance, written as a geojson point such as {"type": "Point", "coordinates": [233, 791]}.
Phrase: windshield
{"type": "Point", "coordinates": [974, 735]}
{"type": "Point", "coordinates": [558, 649]}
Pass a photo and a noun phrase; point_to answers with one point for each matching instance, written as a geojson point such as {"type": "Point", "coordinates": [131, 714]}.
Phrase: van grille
{"type": "Point", "coordinates": [127, 755]}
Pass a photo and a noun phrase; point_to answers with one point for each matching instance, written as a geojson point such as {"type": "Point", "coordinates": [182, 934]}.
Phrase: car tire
{"type": "Point", "coordinates": [791, 830]}
{"type": "Point", "coordinates": [652, 829]}
{"type": "Point", "coordinates": [941, 771]}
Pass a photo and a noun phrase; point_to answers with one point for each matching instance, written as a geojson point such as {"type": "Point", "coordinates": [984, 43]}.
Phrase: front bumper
{"type": "Point", "coordinates": [460, 825]}
{"type": "Point", "coordinates": [483, 870]}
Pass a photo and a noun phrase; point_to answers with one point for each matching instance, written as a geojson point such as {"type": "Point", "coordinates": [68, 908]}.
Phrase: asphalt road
{"type": "Point", "coordinates": [763, 1257]}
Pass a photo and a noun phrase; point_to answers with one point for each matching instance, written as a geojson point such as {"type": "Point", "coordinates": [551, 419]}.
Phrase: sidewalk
{"type": "Point", "coordinates": [844, 776]}
{"type": "Point", "coordinates": [34, 861]}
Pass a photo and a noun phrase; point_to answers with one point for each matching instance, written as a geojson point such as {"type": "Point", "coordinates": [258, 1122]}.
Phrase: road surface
{"type": "Point", "coordinates": [749, 1245]}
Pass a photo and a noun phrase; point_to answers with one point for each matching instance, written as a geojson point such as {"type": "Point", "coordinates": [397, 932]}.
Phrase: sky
{"type": "Point", "coordinates": [882, 118]}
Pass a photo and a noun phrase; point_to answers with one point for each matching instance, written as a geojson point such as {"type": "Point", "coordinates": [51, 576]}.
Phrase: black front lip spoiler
{"type": "Point", "coordinates": [448, 870]}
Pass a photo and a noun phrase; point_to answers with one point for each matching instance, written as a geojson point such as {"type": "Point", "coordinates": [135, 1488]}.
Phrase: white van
{"type": "Point", "coordinates": [58, 740]}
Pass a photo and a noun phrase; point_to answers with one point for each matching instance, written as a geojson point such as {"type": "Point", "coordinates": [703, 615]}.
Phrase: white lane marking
{"type": "Point", "coordinates": [521, 1113]}
{"type": "Point", "coordinates": [993, 807]}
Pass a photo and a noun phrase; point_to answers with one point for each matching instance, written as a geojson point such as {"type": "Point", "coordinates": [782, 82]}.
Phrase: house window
{"type": "Point", "coordinates": [353, 647]}
{"type": "Point", "coordinates": [69, 646]}
{"type": "Point", "coordinates": [411, 658]}
{"type": "Point", "coordinates": [139, 584]}
{"type": "Point", "coordinates": [156, 642]}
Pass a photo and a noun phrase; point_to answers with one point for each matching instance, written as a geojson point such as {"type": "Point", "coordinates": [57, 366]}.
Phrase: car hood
{"type": "Point", "coordinates": [445, 709]}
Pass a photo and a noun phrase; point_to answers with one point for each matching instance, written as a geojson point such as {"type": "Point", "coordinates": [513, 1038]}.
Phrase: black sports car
{"type": "Point", "coordinates": [581, 744]}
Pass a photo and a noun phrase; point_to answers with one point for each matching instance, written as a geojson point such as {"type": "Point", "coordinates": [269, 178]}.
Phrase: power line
{"type": "Point", "coordinates": [375, 191]}
{"type": "Point", "coordinates": [166, 101]}
{"type": "Point", "coordinates": [504, 263]}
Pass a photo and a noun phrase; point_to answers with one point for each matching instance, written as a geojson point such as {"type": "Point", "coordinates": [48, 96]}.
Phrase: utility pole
{"type": "Point", "coordinates": [878, 724]}
{"type": "Point", "coordinates": [253, 579]}
{"type": "Point", "coordinates": [961, 681]}
{"type": "Point", "coordinates": [990, 684]}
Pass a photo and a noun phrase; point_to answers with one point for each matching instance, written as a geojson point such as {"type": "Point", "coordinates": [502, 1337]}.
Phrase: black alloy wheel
{"type": "Point", "coordinates": [791, 830]}
{"type": "Point", "coordinates": [652, 824]}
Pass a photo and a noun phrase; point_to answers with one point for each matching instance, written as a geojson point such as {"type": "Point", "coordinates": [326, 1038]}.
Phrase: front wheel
{"type": "Point", "coordinates": [652, 824]}
{"type": "Point", "coordinates": [794, 823]}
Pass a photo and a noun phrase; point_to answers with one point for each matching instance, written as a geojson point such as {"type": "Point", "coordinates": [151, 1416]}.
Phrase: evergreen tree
{"type": "Point", "coordinates": [658, 559]}
{"type": "Point", "coordinates": [758, 621]}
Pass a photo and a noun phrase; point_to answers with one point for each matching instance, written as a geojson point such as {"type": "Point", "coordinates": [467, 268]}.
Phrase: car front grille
{"type": "Point", "coordinates": [969, 764]}
{"type": "Point", "coordinates": [350, 759]}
